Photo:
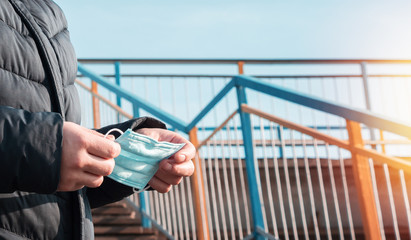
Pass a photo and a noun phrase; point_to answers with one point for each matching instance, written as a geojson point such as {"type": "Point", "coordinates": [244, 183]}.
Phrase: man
{"type": "Point", "coordinates": [53, 171]}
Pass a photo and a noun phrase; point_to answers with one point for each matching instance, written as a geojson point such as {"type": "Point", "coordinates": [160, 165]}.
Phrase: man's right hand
{"type": "Point", "coordinates": [86, 157]}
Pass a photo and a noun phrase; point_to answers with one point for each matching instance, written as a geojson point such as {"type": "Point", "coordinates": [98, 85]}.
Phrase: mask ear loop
{"type": "Point", "coordinates": [113, 130]}
{"type": "Point", "coordinates": [141, 190]}
{"type": "Point", "coordinates": [121, 132]}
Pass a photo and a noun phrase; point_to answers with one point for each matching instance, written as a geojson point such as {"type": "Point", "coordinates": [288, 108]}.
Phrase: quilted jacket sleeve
{"type": "Point", "coordinates": [30, 150]}
{"type": "Point", "coordinates": [111, 191]}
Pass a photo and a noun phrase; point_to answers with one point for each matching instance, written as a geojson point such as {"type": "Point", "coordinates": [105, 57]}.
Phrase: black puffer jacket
{"type": "Point", "coordinates": [37, 94]}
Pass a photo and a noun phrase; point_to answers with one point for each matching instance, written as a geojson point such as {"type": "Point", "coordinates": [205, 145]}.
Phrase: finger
{"type": "Point", "coordinates": [80, 180]}
{"type": "Point", "coordinates": [95, 132]}
{"type": "Point", "coordinates": [162, 135]}
{"type": "Point", "coordinates": [111, 137]}
{"type": "Point", "coordinates": [185, 154]}
{"type": "Point", "coordinates": [167, 177]}
{"type": "Point", "coordinates": [159, 185]}
{"type": "Point", "coordinates": [170, 167]}
{"type": "Point", "coordinates": [102, 147]}
{"type": "Point", "coordinates": [91, 180]}
{"type": "Point", "coordinates": [99, 166]}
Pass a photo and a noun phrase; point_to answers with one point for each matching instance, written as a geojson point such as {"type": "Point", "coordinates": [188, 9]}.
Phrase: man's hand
{"type": "Point", "coordinates": [86, 157]}
{"type": "Point", "coordinates": [171, 170]}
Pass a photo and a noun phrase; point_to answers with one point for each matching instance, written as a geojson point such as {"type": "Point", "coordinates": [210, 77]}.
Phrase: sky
{"type": "Point", "coordinates": [264, 29]}
{"type": "Point", "coordinates": [253, 29]}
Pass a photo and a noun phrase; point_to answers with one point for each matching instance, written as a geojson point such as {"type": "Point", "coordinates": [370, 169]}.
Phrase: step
{"type": "Point", "coordinates": [120, 204]}
{"type": "Point", "coordinates": [123, 230]}
{"type": "Point", "coordinates": [111, 211]}
{"type": "Point", "coordinates": [132, 237]}
{"type": "Point", "coordinates": [118, 221]}
{"type": "Point", "coordinates": [99, 220]}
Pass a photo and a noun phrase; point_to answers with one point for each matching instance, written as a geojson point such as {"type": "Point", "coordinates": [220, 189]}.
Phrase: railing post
{"type": "Point", "coordinates": [199, 193]}
{"type": "Point", "coordinates": [240, 67]}
{"type": "Point", "coordinates": [363, 183]}
{"type": "Point", "coordinates": [143, 196]}
{"type": "Point", "coordinates": [382, 139]}
{"type": "Point", "coordinates": [118, 79]}
{"type": "Point", "coordinates": [365, 85]}
{"type": "Point", "coordinates": [144, 207]}
{"type": "Point", "coordinates": [136, 110]}
{"type": "Point", "coordinates": [96, 105]}
{"type": "Point", "coordinates": [280, 138]}
{"type": "Point", "coordinates": [118, 83]}
{"type": "Point", "coordinates": [252, 170]}
{"type": "Point", "coordinates": [367, 96]}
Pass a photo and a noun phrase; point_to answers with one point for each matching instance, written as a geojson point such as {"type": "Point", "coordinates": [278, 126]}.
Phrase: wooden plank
{"type": "Point", "coordinates": [363, 183]}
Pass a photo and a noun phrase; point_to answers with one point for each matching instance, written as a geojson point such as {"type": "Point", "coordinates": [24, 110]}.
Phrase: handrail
{"type": "Point", "coordinates": [359, 115]}
{"type": "Point", "coordinates": [382, 158]}
{"type": "Point", "coordinates": [216, 130]}
{"type": "Point", "coordinates": [298, 142]}
{"type": "Point", "coordinates": [255, 76]}
{"type": "Point", "coordinates": [308, 131]}
{"type": "Point", "coordinates": [247, 61]}
{"type": "Point", "coordinates": [210, 105]}
{"type": "Point", "coordinates": [168, 118]}
{"type": "Point", "coordinates": [105, 100]}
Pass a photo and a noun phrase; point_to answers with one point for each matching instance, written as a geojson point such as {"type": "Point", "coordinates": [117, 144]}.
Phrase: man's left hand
{"type": "Point", "coordinates": [173, 169]}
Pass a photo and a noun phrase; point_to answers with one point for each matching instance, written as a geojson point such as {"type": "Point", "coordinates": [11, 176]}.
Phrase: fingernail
{"type": "Point", "coordinates": [182, 157]}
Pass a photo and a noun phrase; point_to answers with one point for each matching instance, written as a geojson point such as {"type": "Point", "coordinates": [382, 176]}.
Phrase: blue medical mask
{"type": "Point", "coordinates": [139, 158]}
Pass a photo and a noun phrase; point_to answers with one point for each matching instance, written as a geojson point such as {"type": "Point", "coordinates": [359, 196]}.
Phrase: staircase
{"type": "Point", "coordinates": [260, 174]}
{"type": "Point", "coordinates": [117, 221]}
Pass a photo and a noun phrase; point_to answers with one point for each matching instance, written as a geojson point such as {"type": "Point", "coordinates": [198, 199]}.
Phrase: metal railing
{"type": "Point", "coordinates": [381, 86]}
{"type": "Point", "coordinates": [326, 179]}
{"type": "Point", "coordinates": [183, 86]}
{"type": "Point", "coordinates": [267, 177]}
